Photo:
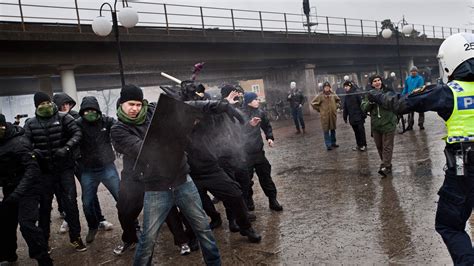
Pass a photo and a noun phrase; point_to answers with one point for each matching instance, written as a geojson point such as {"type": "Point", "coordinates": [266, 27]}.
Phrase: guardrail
{"type": "Point", "coordinates": [173, 16]}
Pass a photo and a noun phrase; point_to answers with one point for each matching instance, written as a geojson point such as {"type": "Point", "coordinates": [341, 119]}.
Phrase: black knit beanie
{"type": "Point", "coordinates": [226, 90]}
{"type": "Point", "coordinates": [371, 79]}
{"type": "Point", "coordinates": [347, 83]}
{"type": "Point", "coordinates": [130, 93]}
{"type": "Point", "coordinates": [41, 97]}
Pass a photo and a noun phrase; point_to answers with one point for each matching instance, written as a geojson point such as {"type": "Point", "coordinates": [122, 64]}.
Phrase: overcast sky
{"type": "Point", "coordinates": [453, 13]}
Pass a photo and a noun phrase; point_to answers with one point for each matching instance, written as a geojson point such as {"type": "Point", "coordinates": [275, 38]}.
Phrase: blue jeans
{"type": "Point", "coordinates": [90, 180]}
{"type": "Point", "coordinates": [330, 137]}
{"type": "Point", "coordinates": [157, 205]}
{"type": "Point", "coordinates": [297, 114]}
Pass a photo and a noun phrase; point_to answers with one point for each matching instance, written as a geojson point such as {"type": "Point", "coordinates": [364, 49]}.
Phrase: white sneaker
{"type": "Point", "coordinates": [184, 250]}
{"type": "Point", "coordinates": [64, 228]}
{"type": "Point", "coordinates": [106, 226]}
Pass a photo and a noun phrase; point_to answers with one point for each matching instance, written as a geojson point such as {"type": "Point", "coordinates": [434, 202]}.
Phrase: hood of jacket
{"type": "Point", "coordinates": [89, 102]}
{"type": "Point", "coordinates": [61, 98]}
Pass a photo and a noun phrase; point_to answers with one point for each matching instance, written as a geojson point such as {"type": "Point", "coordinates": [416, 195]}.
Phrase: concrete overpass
{"type": "Point", "coordinates": [45, 50]}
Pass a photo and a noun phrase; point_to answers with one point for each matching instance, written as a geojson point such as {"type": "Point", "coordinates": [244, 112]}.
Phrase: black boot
{"type": "Point", "coordinates": [274, 205]}
{"type": "Point", "coordinates": [252, 217]}
{"type": "Point", "coordinates": [251, 235]}
{"type": "Point", "coordinates": [193, 244]}
{"type": "Point", "coordinates": [233, 227]}
{"type": "Point", "coordinates": [215, 222]}
{"type": "Point", "coordinates": [250, 204]}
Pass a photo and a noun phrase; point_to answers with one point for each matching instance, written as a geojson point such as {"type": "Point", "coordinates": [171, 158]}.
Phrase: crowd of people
{"type": "Point", "coordinates": [43, 158]}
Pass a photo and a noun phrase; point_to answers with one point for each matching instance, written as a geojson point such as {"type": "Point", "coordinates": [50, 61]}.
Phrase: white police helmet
{"type": "Point", "coordinates": [456, 49]}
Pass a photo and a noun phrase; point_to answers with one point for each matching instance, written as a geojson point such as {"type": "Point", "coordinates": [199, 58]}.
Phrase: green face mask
{"type": "Point", "coordinates": [2, 131]}
{"type": "Point", "coordinates": [91, 116]}
{"type": "Point", "coordinates": [45, 110]}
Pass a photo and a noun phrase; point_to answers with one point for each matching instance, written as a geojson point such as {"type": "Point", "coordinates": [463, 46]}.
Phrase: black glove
{"type": "Point", "coordinates": [62, 152]}
{"type": "Point", "coordinates": [11, 199]}
{"type": "Point", "coordinates": [371, 96]}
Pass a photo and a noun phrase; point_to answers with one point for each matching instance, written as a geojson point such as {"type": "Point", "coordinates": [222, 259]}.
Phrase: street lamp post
{"type": "Point", "coordinates": [101, 26]}
{"type": "Point", "coordinates": [387, 33]}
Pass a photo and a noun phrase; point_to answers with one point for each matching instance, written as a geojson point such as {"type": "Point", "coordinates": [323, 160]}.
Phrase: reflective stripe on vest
{"type": "Point", "coordinates": [461, 123]}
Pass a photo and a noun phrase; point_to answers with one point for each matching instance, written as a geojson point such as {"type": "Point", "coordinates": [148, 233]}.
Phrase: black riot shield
{"type": "Point", "coordinates": [162, 150]}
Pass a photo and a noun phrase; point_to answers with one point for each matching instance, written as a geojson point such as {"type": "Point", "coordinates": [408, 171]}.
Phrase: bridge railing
{"type": "Point", "coordinates": [173, 17]}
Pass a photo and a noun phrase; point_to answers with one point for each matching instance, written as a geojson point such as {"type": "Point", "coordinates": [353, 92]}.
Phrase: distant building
{"type": "Point", "coordinates": [254, 85]}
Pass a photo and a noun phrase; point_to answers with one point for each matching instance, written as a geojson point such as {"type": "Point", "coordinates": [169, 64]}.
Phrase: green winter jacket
{"type": "Point", "coordinates": [381, 120]}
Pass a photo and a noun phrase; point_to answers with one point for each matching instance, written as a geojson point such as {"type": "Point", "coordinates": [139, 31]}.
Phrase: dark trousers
{"type": "Point", "coordinates": [237, 170]}
{"type": "Point", "coordinates": [411, 119]}
{"type": "Point", "coordinates": [259, 164]}
{"type": "Point", "coordinates": [67, 186]}
{"type": "Point", "coordinates": [129, 206]}
{"type": "Point", "coordinates": [297, 114]}
{"type": "Point", "coordinates": [59, 199]}
{"type": "Point", "coordinates": [359, 131]}
{"type": "Point", "coordinates": [175, 221]}
{"type": "Point", "coordinates": [456, 200]}
{"type": "Point", "coordinates": [384, 144]}
{"type": "Point", "coordinates": [227, 190]}
{"type": "Point", "coordinates": [26, 213]}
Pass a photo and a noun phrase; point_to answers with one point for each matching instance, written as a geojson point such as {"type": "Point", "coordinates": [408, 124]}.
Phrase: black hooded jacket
{"type": "Point", "coordinates": [253, 135]}
{"type": "Point", "coordinates": [50, 134]}
{"type": "Point", "coordinates": [96, 145]}
{"type": "Point", "coordinates": [61, 98]}
{"type": "Point", "coordinates": [352, 107]}
{"type": "Point", "coordinates": [19, 168]}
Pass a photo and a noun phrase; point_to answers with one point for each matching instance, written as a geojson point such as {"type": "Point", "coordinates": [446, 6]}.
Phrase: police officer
{"type": "Point", "coordinates": [454, 102]}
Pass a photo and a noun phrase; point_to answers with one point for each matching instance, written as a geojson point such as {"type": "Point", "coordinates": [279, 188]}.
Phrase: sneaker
{"type": "Point", "coordinates": [193, 244]}
{"type": "Point", "coordinates": [251, 235]}
{"type": "Point", "coordinates": [64, 228]}
{"type": "Point", "coordinates": [329, 148]}
{"type": "Point", "coordinates": [422, 127]}
{"type": "Point", "coordinates": [335, 145]}
{"type": "Point", "coordinates": [184, 250]}
{"type": "Point", "coordinates": [275, 205]}
{"type": "Point", "coordinates": [233, 227]}
{"type": "Point", "coordinates": [356, 148]}
{"type": "Point", "coordinates": [122, 248]}
{"type": "Point", "coordinates": [384, 171]}
{"type": "Point", "coordinates": [78, 245]}
{"type": "Point", "coordinates": [91, 235]}
{"type": "Point", "coordinates": [106, 225]}
{"type": "Point", "coordinates": [363, 148]}
{"type": "Point", "coordinates": [62, 215]}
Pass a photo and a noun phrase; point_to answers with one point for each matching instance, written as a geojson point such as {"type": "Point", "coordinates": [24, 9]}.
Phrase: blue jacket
{"type": "Point", "coordinates": [412, 83]}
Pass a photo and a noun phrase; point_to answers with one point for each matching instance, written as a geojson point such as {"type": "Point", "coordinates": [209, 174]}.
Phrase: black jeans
{"type": "Point", "coordinates": [67, 186]}
{"type": "Point", "coordinates": [456, 200]}
{"type": "Point", "coordinates": [258, 163]}
{"type": "Point", "coordinates": [227, 190]}
{"type": "Point", "coordinates": [129, 206]}
{"type": "Point", "coordinates": [359, 131]}
{"type": "Point", "coordinates": [26, 213]}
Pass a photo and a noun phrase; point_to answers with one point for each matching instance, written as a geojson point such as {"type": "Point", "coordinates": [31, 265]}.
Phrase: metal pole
{"type": "Point", "coordinates": [202, 22]}
{"type": "Point", "coordinates": [424, 31]}
{"type": "Point", "coordinates": [78, 18]}
{"type": "Point", "coordinates": [261, 22]}
{"type": "Point", "coordinates": [309, 26]}
{"type": "Point", "coordinates": [327, 23]}
{"type": "Point", "coordinates": [166, 19]}
{"type": "Point", "coordinates": [21, 14]}
{"type": "Point", "coordinates": [286, 25]}
{"type": "Point", "coordinates": [119, 51]}
{"type": "Point", "coordinates": [442, 32]}
{"type": "Point", "coordinates": [376, 28]}
{"type": "Point", "coordinates": [362, 27]}
{"type": "Point", "coordinates": [434, 34]}
{"type": "Point", "coordinates": [399, 57]}
{"type": "Point", "coordinates": [345, 26]}
{"type": "Point", "coordinates": [233, 23]}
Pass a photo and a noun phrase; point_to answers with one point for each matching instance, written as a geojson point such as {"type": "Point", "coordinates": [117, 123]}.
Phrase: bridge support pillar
{"type": "Point", "coordinates": [68, 82]}
{"type": "Point", "coordinates": [45, 85]}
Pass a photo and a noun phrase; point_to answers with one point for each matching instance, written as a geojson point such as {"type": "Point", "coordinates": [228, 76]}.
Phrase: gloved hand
{"type": "Point", "coordinates": [62, 152]}
{"type": "Point", "coordinates": [371, 96]}
{"type": "Point", "coordinates": [11, 199]}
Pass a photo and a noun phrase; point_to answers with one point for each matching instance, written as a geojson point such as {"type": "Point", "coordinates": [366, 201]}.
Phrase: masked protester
{"type": "Point", "coordinates": [19, 179]}
{"type": "Point", "coordinates": [257, 121]}
{"type": "Point", "coordinates": [454, 103]}
{"type": "Point", "coordinates": [383, 123]}
{"type": "Point", "coordinates": [66, 103]}
{"type": "Point", "coordinates": [96, 162]}
{"type": "Point", "coordinates": [54, 136]}
{"type": "Point", "coordinates": [326, 103]}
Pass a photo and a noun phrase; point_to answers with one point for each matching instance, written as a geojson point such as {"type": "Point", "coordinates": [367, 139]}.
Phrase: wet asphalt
{"type": "Point", "coordinates": [337, 208]}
